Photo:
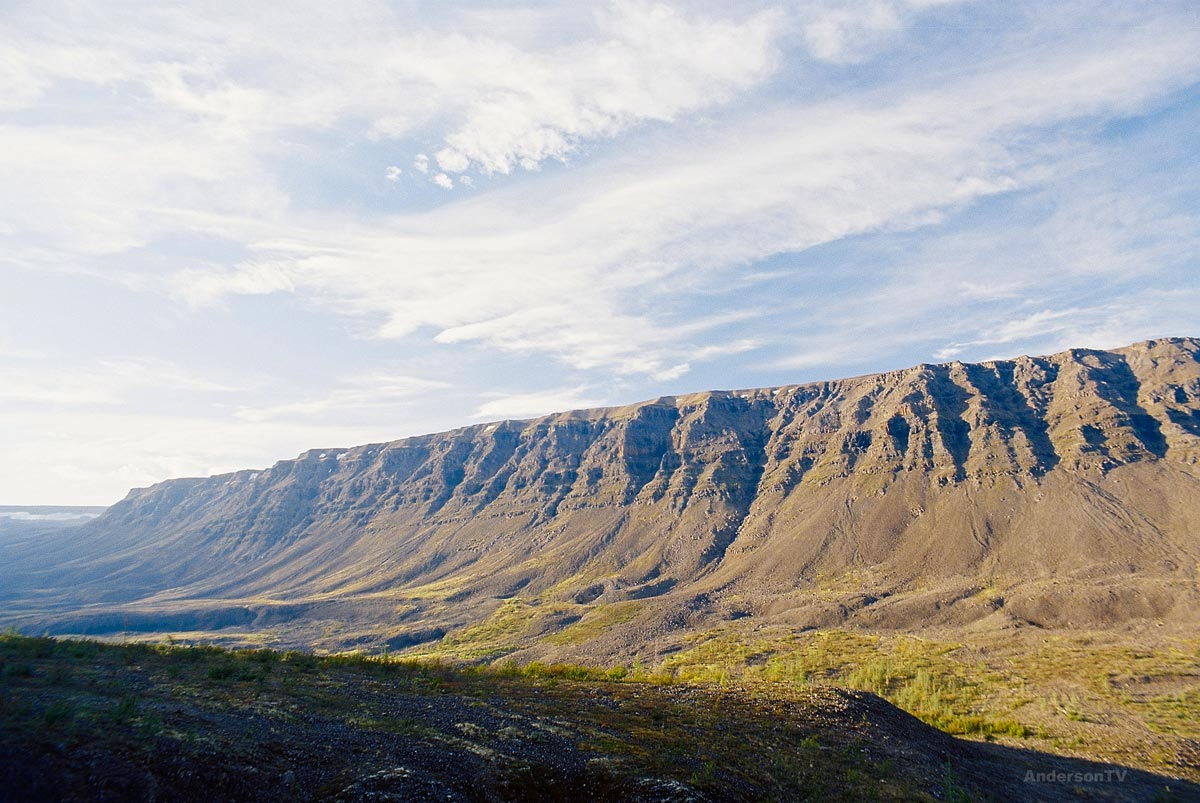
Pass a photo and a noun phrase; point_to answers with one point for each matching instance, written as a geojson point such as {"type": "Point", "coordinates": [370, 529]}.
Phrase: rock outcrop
{"type": "Point", "coordinates": [1058, 491]}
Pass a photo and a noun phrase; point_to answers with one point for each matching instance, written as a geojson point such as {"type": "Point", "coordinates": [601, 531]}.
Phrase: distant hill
{"type": "Point", "coordinates": [1056, 492]}
{"type": "Point", "coordinates": [19, 521]}
{"type": "Point", "coordinates": [58, 514]}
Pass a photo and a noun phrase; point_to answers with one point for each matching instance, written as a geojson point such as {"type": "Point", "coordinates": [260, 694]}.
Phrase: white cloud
{"type": "Point", "coordinates": [158, 373]}
{"type": "Point", "coordinates": [199, 286]}
{"type": "Point", "coordinates": [671, 373]}
{"type": "Point", "coordinates": [105, 189]}
{"type": "Point", "coordinates": [355, 394]}
{"type": "Point", "coordinates": [95, 456]}
{"type": "Point", "coordinates": [845, 345]}
{"type": "Point", "coordinates": [994, 288]}
{"type": "Point", "coordinates": [30, 65]}
{"type": "Point", "coordinates": [529, 405]}
{"type": "Point", "coordinates": [10, 351]}
{"type": "Point", "coordinates": [845, 31]}
{"type": "Point", "coordinates": [100, 382]}
{"type": "Point", "coordinates": [705, 353]}
{"type": "Point", "coordinates": [739, 346]}
{"type": "Point", "coordinates": [947, 353]}
{"type": "Point", "coordinates": [1151, 312]}
{"type": "Point", "coordinates": [835, 31]}
{"type": "Point", "coordinates": [1039, 323]}
{"type": "Point", "coordinates": [443, 181]}
{"type": "Point", "coordinates": [568, 275]}
{"type": "Point", "coordinates": [648, 62]}
{"type": "Point", "coordinates": [236, 149]}
{"type": "Point", "coordinates": [56, 389]}
{"type": "Point", "coordinates": [188, 108]}
{"type": "Point", "coordinates": [452, 161]}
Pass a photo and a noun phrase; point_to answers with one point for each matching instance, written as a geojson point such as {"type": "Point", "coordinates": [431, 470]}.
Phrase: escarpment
{"type": "Point", "coordinates": [800, 501]}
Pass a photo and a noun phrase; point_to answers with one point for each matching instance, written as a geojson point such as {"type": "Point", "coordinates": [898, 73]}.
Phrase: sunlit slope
{"type": "Point", "coordinates": [1068, 485]}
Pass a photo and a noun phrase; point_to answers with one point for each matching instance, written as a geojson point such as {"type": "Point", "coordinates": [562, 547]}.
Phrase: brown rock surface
{"type": "Point", "coordinates": [1065, 487]}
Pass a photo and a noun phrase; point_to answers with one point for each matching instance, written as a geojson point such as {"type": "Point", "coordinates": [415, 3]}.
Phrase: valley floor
{"type": "Point", "coordinates": [82, 720]}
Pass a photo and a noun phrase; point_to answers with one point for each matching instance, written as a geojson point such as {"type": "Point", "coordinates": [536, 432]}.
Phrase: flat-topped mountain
{"type": "Point", "coordinates": [1059, 491]}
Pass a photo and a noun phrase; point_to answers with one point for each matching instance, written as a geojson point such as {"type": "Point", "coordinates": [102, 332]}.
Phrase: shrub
{"type": "Point", "coordinates": [57, 712]}
{"type": "Point", "coordinates": [221, 671]}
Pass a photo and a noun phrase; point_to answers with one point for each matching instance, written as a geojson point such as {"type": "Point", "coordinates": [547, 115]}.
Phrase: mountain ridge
{"type": "Point", "coordinates": [1067, 477]}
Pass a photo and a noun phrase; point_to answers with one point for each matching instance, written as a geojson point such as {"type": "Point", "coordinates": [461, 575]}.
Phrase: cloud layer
{"type": "Point", "coordinates": [373, 220]}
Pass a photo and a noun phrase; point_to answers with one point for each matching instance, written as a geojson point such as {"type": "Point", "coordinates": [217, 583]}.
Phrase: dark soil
{"type": "Point", "coordinates": [85, 721]}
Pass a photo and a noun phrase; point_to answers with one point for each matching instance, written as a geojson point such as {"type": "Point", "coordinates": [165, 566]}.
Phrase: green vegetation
{"type": "Point", "coordinates": [692, 719]}
{"type": "Point", "coordinates": [596, 622]}
{"type": "Point", "coordinates": [494, 637]}
{"type": "Point", "coordinates": [185, 721]}
{"type": "Point", "coordinates": [1058, 691]}
{"type": "Point", "coordinates": [515, 623]}
{"type": "Point", "coordinates": [916, 675]}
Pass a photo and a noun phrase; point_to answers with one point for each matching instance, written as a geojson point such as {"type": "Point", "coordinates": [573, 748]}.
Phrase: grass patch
{"type": "Point", "coordinates": [1058, 689]}
{"type": "Point", "coordinates": [495, 636]}
{"type": "Point", "coordinates": [599, 620]}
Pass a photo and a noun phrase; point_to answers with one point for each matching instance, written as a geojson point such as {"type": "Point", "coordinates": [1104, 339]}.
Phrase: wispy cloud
{"type": "Point", "coordinates": [355, 395]}
{"type": "Point", "coordinates": [101, 382]}
{"type": "Point", "coordinates": [93, 456]}
{"type": "Point", "coordinates": [528, 405]}
{"type": "Point", "coordinates": [199, 286]}
{"type": "Point", "coordinates": [637, 197]}
{"type": "Point", "coordinates": [562, 279]}
{"type": "Point", "coordinates": [844, 32]}
{"type": "Point", "coordinates": [1160, 312]}
{"type": "Point", "coordinates": [646, 61]}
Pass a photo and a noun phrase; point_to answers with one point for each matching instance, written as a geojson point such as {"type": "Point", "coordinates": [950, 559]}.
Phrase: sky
{"type": "Point", "coordinates": [231, 232]}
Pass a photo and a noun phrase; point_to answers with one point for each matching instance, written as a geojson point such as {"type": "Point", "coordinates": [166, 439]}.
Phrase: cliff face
{"type": "Point", "coordinates": [1079, 467]}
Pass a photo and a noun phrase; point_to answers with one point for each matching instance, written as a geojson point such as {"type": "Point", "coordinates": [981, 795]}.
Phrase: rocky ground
{"type": "Point", "coordinates": [85, 721]}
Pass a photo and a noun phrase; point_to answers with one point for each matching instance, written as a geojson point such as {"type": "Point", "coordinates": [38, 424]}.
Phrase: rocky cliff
{"type": "Point", "coordinates": [1057, 491]}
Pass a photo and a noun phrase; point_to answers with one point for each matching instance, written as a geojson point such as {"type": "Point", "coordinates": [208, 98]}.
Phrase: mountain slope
{"type": "Point", "coordinates": [1059, 491]}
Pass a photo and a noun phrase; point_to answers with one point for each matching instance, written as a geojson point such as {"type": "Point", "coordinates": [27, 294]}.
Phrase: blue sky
{"type": "Point", "coordinates": [234, 231]}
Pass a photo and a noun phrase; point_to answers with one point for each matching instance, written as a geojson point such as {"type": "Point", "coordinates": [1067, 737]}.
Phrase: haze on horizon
{"type": "Point", "coordinates": [233, 232]}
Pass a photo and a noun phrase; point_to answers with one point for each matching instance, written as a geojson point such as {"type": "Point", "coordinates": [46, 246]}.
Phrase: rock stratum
{"type": "Point", "coordinates": [1056, 492]}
